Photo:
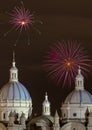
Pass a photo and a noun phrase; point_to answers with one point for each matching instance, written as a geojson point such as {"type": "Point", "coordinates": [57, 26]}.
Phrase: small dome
{"type": "Point", "coordinates": [48, 120]}
{"type": "Point", "coordinates": [14, 91]}
{"type": "Point", "coordinates": [46, 106]}
{"type": "Point", "coordinates": [79, 96]}
{"type": "Point", "coordinates": [46, 101]}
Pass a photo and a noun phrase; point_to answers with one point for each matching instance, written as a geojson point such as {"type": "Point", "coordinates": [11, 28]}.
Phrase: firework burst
{"type": "Point", "coordinates": [63, 60]}
{"type": "Point", "coordinates": [22, 20]}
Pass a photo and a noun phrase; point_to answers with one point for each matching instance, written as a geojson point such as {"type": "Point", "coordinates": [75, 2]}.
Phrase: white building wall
{"type": "Point", "coordinates": [16, 127]}
{"type": "Point", "coordinates": [75, 111]}
{"type": "Point", "coordinates": [17, 106]}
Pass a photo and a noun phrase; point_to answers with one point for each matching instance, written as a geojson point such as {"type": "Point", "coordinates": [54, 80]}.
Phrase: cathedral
{"type": "Point", "coordinates": [16, 107]}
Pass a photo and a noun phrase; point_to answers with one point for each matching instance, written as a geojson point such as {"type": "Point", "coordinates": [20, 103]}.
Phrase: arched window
{"type": "Point", "coordinates": [3, 115]}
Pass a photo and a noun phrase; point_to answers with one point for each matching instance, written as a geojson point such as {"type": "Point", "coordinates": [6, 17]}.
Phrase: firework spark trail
{"type": "Point", "coordinates": [63, 59]}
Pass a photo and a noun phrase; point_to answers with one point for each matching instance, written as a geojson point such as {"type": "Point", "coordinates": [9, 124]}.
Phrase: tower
{"type": "Point", "coordinates": [13, 71]}
{"type": "Point", "coordinates": [79, 81]}
{"type": "Point", "coordinates": [46, 106]}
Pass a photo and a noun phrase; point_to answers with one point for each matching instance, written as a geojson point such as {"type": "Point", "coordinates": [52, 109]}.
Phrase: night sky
{"type": "Point", "coordinates": [62, 20]}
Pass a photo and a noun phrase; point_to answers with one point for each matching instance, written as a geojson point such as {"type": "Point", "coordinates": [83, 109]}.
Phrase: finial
{"type": "Point", "coordinates": [46, 96]}
{"type": "Point", "coordinates": [13, 63]}
{"type": "Point", "coordinates": [46, 93]}
{"type": "Point", "coordinates": [79, 70]}
{"type": "Point", "coordinates": [13, 56]}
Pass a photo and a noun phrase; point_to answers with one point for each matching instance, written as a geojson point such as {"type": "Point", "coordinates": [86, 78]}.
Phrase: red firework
{"type": "Point", "coordinates": [22, 19]}
{"type": "Point", "coordinates": [63, 60]}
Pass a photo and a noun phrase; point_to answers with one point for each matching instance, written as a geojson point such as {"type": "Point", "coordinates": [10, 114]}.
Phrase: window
{"type": "Point", "coordinates": [45, 109]}
{"type": "Point", "coordinates": [81, 82]}
{"type": "Point", "coordinates": [3, 115]}
{"type": "Point", "coordinates": [74, 114]}
{"type": "Point", "coordinates": [64, 115]}
{"type": "Point", "coordinates": [16, 116]}
{"type": "Point", "coordinates": [78, 83]}
{"type": "Point", "coordinates": [14, 75]}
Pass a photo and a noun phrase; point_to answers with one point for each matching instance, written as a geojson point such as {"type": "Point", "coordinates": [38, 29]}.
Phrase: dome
{"type": "Point", "coordinates": [79, 96]}
{"type": "Point", "coordinates": [14, 91]}
{"type": "Point", "coordinates": [14, 96]}
{"type": "Point", "coordinates": [42, 119]}
{"type": "Point", "coordinates": [77, 103]}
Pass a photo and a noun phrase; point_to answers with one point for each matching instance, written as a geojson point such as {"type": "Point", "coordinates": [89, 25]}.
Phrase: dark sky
{"type": "Point", "coordinates": [62, 20]}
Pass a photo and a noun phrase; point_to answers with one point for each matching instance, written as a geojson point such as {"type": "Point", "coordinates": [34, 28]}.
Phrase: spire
{"type": "Point", "coordinates": [56, 114]}
{"type": "Point", "coordinates": [56, 121]}
{"type": "Point", "coordinates": [46, 106]}
{"type": "Point", "coordinates": [13, 63]}
{"type": "Point", "coordinates": [79, 83]}
{"type": "Point", "coordinates": [46, 97]}
{"type": "Point", "coordinates": [13, 70]}
{"type": "Point", "coordinates": [79, 71]}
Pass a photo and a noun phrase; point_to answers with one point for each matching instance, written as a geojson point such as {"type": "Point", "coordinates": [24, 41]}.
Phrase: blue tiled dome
{"type": "Point", "coordinates": [79, 96]}
{"type": "Point", "coordinates": [14, 91]}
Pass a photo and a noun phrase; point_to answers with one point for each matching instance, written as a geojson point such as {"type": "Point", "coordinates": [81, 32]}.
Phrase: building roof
{"type": "Point", "coordinates": [79, 96]}
{"type": "Point", "coordinates": [14, 91]}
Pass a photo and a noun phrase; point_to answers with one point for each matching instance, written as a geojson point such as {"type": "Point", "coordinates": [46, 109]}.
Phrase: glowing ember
{"type": "Point", "coordinates": [68, 63]}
